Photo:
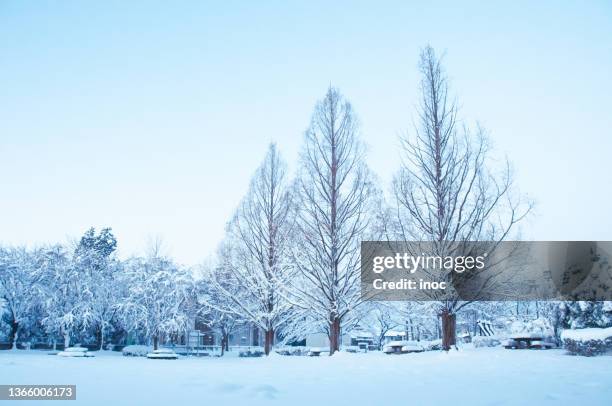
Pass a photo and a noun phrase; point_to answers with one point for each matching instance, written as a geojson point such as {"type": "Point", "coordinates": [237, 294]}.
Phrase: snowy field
{"type": "Point", "coordinates": [470, 376]}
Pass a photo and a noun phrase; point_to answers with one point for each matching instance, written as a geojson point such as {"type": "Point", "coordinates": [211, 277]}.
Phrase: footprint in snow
{"type": "Point", "coordinates": [229, 387]}
{"type": "Point", "coordinates": [266, 391]}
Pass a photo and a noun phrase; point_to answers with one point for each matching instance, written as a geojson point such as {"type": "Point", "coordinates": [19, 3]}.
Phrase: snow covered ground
{"type": "Point", "coordinates": [489, 376]}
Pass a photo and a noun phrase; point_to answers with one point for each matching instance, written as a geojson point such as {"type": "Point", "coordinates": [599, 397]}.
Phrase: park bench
{"type": "Point", "coordinates": [316, 352]}
{"type": "Point", "coordinates": [78, 352]}
{"type": "Point", "coordinates": [402, 347]}
{"type": "Point", "coordinates": [543, 345]}
{"type": "Point", "coordinates": [527, 342]}
{"type": "Point", "coordinates": [162, 353]}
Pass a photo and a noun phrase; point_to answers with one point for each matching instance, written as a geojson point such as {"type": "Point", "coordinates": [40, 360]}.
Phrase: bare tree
{"type": "Point", "coordinates": [380, 318]}
{"type": "Point", "coordinates": [334, 193]}
{"type": "Point", "coordinates": [222, 322]}
{"type": "Point", "coordinates": [259, 234]}
{"type": "Point", "coordinates": [444, 191]}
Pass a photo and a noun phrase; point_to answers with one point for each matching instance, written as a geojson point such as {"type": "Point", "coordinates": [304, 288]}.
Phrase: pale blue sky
{"type": "Point", "coordinates": [150, 117]}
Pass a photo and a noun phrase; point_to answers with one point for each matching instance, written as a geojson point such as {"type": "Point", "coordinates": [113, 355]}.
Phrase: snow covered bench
{"type": "Point", "coordinates": [541, 344]}
{"type": "Point", "coordinates": [316, 351]}
{"type": "Point", "coordinates": [76, 352]}
{"type": "Point", "coordinates": [519, 342]}
{"type": "Point", "coordinates": [402, 347]}
{"type": "Point", "coordinates": [523, 340]}
{"type": "Point", "coordinates": [136, 350]}
{"type": "Point", "coordinates": [162, 353]}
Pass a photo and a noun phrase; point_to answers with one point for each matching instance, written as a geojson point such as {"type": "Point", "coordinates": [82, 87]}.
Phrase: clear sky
{"type": "Point", "coordinates": [150, 117]}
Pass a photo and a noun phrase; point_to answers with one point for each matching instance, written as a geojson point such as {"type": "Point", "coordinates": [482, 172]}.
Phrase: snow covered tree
{"type": "Point", "coordinates": [583, 314]}
{"type": "Point", "coordinates": [444, 191]}
{"type": "Point", "coordinates": [157, 294]}
{"type": "Point", "coordinates": [98, 267]}
{"type": "Point", "coordinates": [80, 290]}
{"type": "Point", "coordinates": [19, 288]}
{"type": "Point", "coordinates": [3, 327]}
{"type": "Point", "coordinates": [259, 234]}
{"type": "Point", "coordinates": [334, 197]}
{"type": "Point", "coordinates": [96, 249]}
{"type": "Point", "coordinates": [66, 296]}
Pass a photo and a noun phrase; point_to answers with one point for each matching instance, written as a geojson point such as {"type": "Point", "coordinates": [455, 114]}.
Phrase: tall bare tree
{"type": "Point", "coordinates": [335, 191]}
{"type": "Point", "coordinates": [209, 300]}
{"type": "Point", "coordinates": [444, 190]}
{"type": "Point", "coordinates": [259, 236]}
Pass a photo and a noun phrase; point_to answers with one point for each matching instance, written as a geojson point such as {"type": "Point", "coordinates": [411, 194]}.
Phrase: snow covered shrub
{"type": "Point", "coordinates": [433, 345]}
{"type": "Point", "coordinates": [136, 350]}
{"type": "Point", "coordinates": [588, 341]}
{"type": "Point", "coordinates": [486, 341]}
{"type": "Point", "coordinates": [292, 351]}
{"type": "Point", "coordinates": [588, 348]}
{"type": "Point", "coordinates": [250, 353]}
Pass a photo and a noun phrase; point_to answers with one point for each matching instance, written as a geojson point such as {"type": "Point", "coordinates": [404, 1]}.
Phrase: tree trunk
{"type": "Point", "coordinates": [66, 340]}
{"type": "Point", "coordinates": [334, 335]}
{"type": "Point", "coordinates": [269, 341]}
{"type": "Point", "coordinates": [13, 334]}
{"type": "Point", "coordinates": [101, 332]}
{"type": "Point", "coordinates": [223, 342]}
{"type": "Point", "coordinates": [449, 337]}
{"type": "Point", "coordinates": [155, 342]}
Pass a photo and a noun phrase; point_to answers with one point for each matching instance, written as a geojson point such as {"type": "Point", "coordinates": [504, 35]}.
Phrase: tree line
{"type": "Point", "coordinates": [290, 259]}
